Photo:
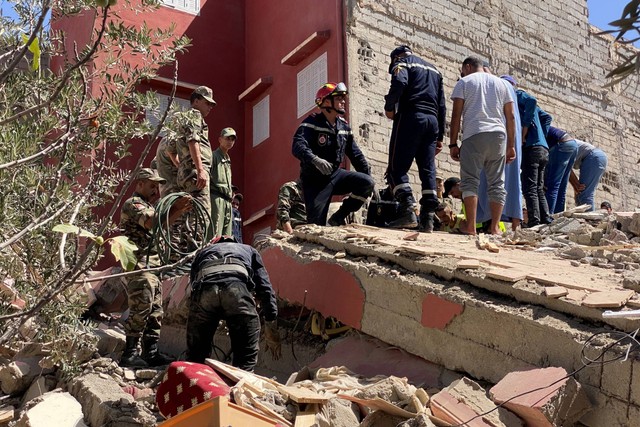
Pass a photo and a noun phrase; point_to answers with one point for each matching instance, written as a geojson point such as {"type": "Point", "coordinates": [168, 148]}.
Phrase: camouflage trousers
{"type": "Point", "coordinates": [145, 306]}
{"type": "Point", "coordinates": [187, 183]}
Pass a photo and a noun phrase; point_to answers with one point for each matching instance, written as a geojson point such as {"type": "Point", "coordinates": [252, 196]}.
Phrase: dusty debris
{"type": "Point", "coordinates": [559, 400]}
{"type": "Point", "coordinates": [53, 409]}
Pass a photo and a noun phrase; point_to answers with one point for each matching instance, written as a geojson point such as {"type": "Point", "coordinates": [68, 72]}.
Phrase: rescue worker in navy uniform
{"type": "Point", "coordinates": [223, 276]}
{"type": "Point", "coordinates": [320, 143]}
{"type": "Point", "coordinates": [416, 103]}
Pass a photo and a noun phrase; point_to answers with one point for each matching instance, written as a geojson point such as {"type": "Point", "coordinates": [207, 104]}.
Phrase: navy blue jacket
{"type": "Point", "coordinates": [416, 85]}
{"type": "Point", "coordinates": [554, 135]}
{"type": "Point", "coordinates": [251, 260]}
{"type": "Point", "coordinates": [316, 137]}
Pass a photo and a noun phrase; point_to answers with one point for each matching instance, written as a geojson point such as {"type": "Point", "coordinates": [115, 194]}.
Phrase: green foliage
{"type": "Point", "coordinates": [123, 250]}
{"type": "Point", "coordinates": [63, 135]}
{"type": "Point", "coordinates": [627, 32]}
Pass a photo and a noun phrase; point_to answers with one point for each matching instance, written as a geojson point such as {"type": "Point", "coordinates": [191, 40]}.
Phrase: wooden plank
{"type": "Point", "coordinates": [555, 291]}
{"type": "Point", "coordinates": [506, 274]}
{"type": "Point", "coordinates": [305, 419]}
{"type": "Point", "coordinates": [487, 261]}
{"type": "Point", "coordinates": [389, 408]}
{"type": "Point", "coordinates": [468, 264]}
{"type": "Point", "coordinates": [559, 281]}
{"type": "Point", "coordinates": [608, 298]}
{"type": "Point", "coordinates": [236, 374]}
{"type": "Point", "coordinates": [269, 412]}
{"type": "Point", "coordinates": [302, 395]}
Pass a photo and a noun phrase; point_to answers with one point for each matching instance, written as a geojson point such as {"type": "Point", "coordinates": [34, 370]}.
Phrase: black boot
{"type": "Point", "coordinates": [130, 356]}
{"type": "Point", "coordinates": [426, 221]}
{"type": "Point", "coordinates": [151, 355]}
{"type": "Point", "coordinates": [339, 217]}
{"type": "Point", "coordinates": [406, 213]}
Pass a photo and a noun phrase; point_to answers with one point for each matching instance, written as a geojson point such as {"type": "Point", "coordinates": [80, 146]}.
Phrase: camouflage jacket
{"type": "Point", "coordinates": [135, 213]}
{"type": "Point", "coordinates": [291, 205]}
{"type": "Point", "coordinates": [166, 168]}
{"type": "Point", "coordinates": [190, 126]}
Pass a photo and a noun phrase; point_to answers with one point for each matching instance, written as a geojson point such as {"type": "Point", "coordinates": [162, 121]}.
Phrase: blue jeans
{"type": "Point", "coordinates": [561, 158]}
{"type": "Point", "coordinates": [591, 170]}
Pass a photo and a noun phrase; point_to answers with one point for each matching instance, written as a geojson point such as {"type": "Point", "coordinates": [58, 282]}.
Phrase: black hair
{"type": "Point", "coordinates": [474, 61]}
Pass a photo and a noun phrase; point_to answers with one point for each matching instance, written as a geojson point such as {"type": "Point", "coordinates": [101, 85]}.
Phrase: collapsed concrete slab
{"type": "Point", "coordinates": [412, 295]}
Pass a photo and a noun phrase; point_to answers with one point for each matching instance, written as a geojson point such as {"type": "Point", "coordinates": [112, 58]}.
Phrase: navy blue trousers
{"type": "Point", "coordinates": [414, 136]}
{"type": "Point", "coordinates": [319, 190]}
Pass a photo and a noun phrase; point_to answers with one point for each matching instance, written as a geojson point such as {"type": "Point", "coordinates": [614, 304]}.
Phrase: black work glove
{"type": "Point", "coordinates": [322, 165]}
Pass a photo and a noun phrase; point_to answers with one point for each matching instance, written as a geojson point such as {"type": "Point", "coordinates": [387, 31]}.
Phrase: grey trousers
{"type": "Point", "coordinates": [484, 151]}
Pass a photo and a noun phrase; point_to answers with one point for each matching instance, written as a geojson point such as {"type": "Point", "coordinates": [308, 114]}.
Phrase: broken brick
{"type": "Point", "coordinates": [542, 397]}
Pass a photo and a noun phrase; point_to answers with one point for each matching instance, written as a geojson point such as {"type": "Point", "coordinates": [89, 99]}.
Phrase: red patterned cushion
{"type": "Point", "coordinates": [185, 385]}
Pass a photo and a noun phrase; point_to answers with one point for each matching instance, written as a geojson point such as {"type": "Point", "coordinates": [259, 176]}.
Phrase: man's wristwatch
{"type": "Point", "coordinates": [453, 145]}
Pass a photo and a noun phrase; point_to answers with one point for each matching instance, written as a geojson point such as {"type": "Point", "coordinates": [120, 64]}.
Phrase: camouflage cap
{"type": "Point", "coordinates": [206, 93]}
{"type": "Point", "coordinates": [227, 132]}
{"type": "Point", "coordinates": [151, 175]}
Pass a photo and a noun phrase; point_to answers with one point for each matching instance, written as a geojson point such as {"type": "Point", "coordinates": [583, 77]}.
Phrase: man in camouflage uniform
{"type": "Point", "coordinates": [291, 210]}
{"type": "Point", "coordinates": [144, 289]}
{"type": "Point", "coordinates": [167, 162]}
{"type": "Point", "coordinates": [193, 148]}
{"type": "Point", "coordinates": [221, 191]}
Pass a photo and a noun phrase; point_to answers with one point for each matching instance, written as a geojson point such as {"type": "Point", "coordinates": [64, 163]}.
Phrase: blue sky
{"type": "Point", "coordinates": [601, 12]}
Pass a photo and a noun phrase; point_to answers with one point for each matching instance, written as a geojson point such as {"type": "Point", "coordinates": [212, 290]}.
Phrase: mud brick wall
{"type": "Point", "coordinates": [548, 46]}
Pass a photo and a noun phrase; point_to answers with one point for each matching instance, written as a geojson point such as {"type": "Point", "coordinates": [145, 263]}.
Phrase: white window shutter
{"type": "Point", "coordinates": [310, 79]}
{"type": "Point", "coordinates": [261, 121]}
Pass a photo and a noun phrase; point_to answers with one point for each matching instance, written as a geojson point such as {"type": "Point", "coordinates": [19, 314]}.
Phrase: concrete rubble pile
{"type": "Point", "coordinates": [336, 397]}
{"type": "Point", "coordinates": [37, 394]}
{"type": "Point", "coordinates": [595, 238]}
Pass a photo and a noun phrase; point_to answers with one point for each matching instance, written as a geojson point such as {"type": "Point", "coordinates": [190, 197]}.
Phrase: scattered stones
{"type": "Point", "coordinates": [53, 409]}
{"type": "Point", "coordinates": [634, 224]}
{"type": "Point", "coordinates": [109, 341]}
{"type": "Point", "coordinates": [574, 252]}
{"type": "Point", "coordinates": [146, 374]}
{"type": "Point", "coordinates": [105, 403]}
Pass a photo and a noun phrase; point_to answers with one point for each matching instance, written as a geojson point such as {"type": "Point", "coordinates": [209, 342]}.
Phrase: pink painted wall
{"type": "Point", "coordinates": [330, 289]}
{"type": "Point", "coordinates": [271, 33]}
{"type": "Point", "coordinates": [234, 44]}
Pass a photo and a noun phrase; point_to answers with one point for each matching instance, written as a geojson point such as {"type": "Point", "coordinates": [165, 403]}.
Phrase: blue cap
{"type": "Point", "coordinates": [510, 79]}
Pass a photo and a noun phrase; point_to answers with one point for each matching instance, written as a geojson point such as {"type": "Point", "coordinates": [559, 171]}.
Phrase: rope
{"type": "Point", "coordinates": [170, 246]}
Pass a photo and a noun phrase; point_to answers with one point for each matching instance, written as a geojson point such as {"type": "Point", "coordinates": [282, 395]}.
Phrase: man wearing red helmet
{"type": "Point", "coordinates": [320, 143]}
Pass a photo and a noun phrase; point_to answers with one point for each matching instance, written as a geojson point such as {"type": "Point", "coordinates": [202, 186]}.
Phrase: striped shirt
{"type": "Point", "coordinates": [485, 96]}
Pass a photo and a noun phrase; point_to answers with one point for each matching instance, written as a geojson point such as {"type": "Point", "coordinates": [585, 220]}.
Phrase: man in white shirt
{"type": "Point", "coordinates": [486, 107]}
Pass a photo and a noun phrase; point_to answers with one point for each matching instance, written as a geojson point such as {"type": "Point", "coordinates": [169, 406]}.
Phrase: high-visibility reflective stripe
{"type": "Point", "coordinates": [326, 130]}
{"type": "Point", "coordinates": [318, 128]}
{"type": "Point", "coordinates": [362, 199]}
{"type": "Point", "coordinates": [400, 187]}
{"type": "Point", "coordinates": [434, 192]}
{"type": "Point", "coordinates": [424, 67]}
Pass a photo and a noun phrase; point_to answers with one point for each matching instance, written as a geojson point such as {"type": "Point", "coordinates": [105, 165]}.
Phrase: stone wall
{"type": "Point", "coordinates": [547, 45]}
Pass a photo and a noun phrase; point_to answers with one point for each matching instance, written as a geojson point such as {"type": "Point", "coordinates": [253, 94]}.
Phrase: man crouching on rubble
{"type": "Point", "coordinates": [223, 275]}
